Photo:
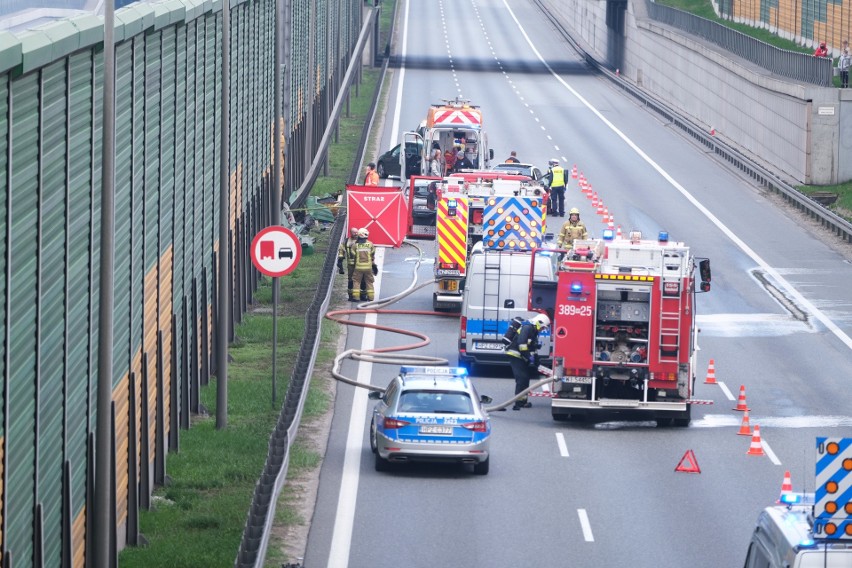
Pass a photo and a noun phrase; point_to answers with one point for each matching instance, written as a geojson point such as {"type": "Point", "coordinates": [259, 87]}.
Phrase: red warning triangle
{"type": "Point", "coordinates": [688, 463]}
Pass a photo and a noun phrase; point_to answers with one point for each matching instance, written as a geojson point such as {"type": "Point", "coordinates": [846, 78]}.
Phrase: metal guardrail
{"type": "Point", "coordinates": [793, 65]}
{"type": "Point", "coordinates": [255, 541]}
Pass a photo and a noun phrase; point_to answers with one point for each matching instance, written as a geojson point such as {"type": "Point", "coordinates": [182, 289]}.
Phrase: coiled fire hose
{"type": "Point", "coordinates": [387, 355]}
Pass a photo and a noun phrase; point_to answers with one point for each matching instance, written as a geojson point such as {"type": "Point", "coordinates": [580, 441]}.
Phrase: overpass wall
{"type": "Point", "coordinates": [800, 131]}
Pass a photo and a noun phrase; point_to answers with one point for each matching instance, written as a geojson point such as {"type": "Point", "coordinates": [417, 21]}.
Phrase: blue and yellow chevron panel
{"type": "Point", "coordinates": [513, 223]}
{"type": "Point", "coordinates": [833, 495]}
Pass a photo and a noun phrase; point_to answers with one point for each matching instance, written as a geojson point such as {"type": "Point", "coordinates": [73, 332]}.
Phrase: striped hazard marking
{"type": "Point", "coordinates": [452, 232]}
{"type": "Point", "coordinates": [457, 116]}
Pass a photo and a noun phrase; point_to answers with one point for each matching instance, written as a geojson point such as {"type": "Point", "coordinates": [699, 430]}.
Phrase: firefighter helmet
{"type": "Point", "coordinates": [573, 211]}
{"type": "Point", "coordinates": [540, 321]}
{"type": "Point", "coordinates": [363, 233]}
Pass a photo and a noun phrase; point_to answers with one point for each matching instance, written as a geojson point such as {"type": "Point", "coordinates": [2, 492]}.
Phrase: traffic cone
{"type": "Point", "coordinates": [711, 373]}
{"type": "Point", "coordinates": [618, 234]}
{"type": "Point", "coordinates": [741, 402]}
{"type": "Point", "coordinates": [756, 449]}
{"type": "Point", "coordinates": [786, 486]}
{"type": "Point", "coordinates": [712, 131]}
{"type": "Point", "coordinates": [574, 172]}
{"type": "Point", "coordinates": [595, 201]}
{"type": "Point", "coordinates": [745, 429]}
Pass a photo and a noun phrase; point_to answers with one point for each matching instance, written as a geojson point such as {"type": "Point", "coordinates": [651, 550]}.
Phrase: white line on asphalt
{"type": "Point", "coordinates": [791, 291]}
{"type": "Point", "coordinates": [563, 447]}
{"type": "Point", "coordinates": [398, 109]}
{"type": "Point", "coordinates": [725, 390]}
{"type": "Point", "coordinates": [344, 520]}
{"type": "Point", "coordinates": [772, 457]}
{"type": "Point", "coordinates": [587, 528]}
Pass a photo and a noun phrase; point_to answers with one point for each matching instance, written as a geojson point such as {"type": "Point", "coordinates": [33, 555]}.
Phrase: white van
{"type": "Point", "coordinates": [784, 538]}
{"type": "Point", "coordinates": [496, 290]}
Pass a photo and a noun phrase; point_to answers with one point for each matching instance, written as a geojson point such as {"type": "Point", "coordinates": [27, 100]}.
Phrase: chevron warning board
{"type": "Point", "coordinates": [454, 116]}
{"type": "Point", "coordinates": [833, 496]}
{"type": "Point", "coordinates": [513, 223]}
{"type": "Point", "coordinates": [452, 236]}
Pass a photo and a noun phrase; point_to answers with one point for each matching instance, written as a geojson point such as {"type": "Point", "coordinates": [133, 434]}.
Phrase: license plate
{"type": "Point", "coordinates": [489, 346]}
{"type": "Point", "coordinates": [450, 285]}
{"type": "Point", "coordinates": [577, 380]}
{"type": "Point", "coordinates": [438, 429]}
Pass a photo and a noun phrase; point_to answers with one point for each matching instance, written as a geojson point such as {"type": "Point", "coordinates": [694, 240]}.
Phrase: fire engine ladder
{"type": "Point", "coordinates": [670, 307]}
{"type": "Point", "coordinates": [491, 295]}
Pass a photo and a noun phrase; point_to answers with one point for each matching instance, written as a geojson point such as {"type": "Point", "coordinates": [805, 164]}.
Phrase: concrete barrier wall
{"type": "Point", "coordinates": [792, 129]}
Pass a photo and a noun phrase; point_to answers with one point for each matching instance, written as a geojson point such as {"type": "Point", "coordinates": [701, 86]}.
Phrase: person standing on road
{"type": "Point", "coordinates": [513, 158]}
{"type": "Point", "coordinates": [365, 265]}
{"type": "Point", "coordinates": [843, 64]}
{"type": "Point", "coordinates": [436, 166]}
{"type": "Point", "coordinates": [344, 254]}
{"type": "Point", "coordinates": [372, 176]}
{"type": "Point", "coordinates": [555, 178]}
{"type": "Point", "coordinates": [523, 356]}
{"type": "Point", "coordinates": [572, 229]}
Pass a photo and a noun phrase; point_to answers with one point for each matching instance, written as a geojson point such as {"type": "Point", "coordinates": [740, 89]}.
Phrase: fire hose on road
{"type": "Point", "coordinates": [390, 355]}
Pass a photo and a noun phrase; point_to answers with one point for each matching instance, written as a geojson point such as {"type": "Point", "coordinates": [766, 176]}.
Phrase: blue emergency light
{"type": "Point", "coordinates": [791, 498]}
{"type": "Point", "coordinates": [576, 287]}
{"type": "Point", "coordinates": [608, 234]}
{"type": "Point", "coordinates": [663, 237]}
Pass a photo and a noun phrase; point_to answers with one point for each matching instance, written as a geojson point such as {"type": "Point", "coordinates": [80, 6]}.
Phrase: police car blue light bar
{"type": "Point", "coordinates": [454, 371]}
{"type": "Point", "coordinates": [608, 234]}
{"type": "Point", "coordinates": [791, 498]}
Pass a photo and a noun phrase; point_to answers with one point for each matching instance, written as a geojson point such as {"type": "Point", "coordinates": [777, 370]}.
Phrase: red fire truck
{"type": "Point", "coordinates": [624, 334]}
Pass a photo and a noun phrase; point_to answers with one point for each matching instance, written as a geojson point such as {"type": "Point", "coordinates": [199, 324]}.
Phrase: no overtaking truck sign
{"type": "Point", "coordinates": [276, 251]}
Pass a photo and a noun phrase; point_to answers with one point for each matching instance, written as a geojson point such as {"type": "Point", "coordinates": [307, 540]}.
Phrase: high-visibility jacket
{"type": "Point", "coordinates": [372, 178]}
{"type": "Point", "coordinates": [364, 254]}
{"type": "Point", "coordinates": [569, 232]}
{"type": "Point", "coordinates": [344, 252]}
{"type": "Point", "coordinates": [557, 178]}
{"type": "Point", "coordinates": [525, 341]}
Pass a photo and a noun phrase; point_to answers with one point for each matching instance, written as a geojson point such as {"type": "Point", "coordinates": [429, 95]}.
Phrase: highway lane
{"type": "Point", "coordinates": [614, 499]}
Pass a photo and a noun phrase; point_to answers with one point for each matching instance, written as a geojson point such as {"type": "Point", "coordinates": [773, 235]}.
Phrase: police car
{"type": "Point", "coordinates": [784, 538]}
{"type": "Point", "coordinates": [430, 414]}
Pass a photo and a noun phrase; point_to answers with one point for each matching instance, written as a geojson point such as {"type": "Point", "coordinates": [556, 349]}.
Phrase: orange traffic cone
{"type": "Point", "coordinates": [786, 486]}
{"type": "Point", "coordinates": [745, 428]}
{"type": "Point", "coordinates": [711, 373]}
{"type": "Point", "coordinates": [741, 402]}
{"type": "Point", "coordinates": [756, 448]}
{"type": "Point", "coordinates": [595, 201]}
{"type": "Point", "coordinates": [574, 171]}
{"type": "Point", "coordinates": [618, 234]}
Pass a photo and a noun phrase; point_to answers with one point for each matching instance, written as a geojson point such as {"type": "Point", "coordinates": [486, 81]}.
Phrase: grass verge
{"type": "Point", "coordinates": [197, 519]}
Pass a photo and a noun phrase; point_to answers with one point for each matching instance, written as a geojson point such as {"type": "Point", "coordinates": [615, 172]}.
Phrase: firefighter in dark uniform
{"type": "Point", "coordinates": [523, 357]}
{"type": "Point", "coordinates": [343, 255]}
{"type": "Point", "coordinates": [364, 254]}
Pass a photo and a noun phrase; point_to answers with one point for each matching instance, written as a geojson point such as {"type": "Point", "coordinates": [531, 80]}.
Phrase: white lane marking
{"type": "Point", "coordinates": [725, 390]}
{"type": "Point", "coordinates": [398, 109]}
{"type": "Point", "coordinates": [587, 527]}
{"type": "Point", "coordinates": [563, 447]}
{"type": "Point", "coordinates": [768, 451]}
{"type": "Point", "coordinates": [791, 291]}
{"type": "Point", "coordinates": [788, 422]}
{"type": "Point", "coordinates": [344, 520]}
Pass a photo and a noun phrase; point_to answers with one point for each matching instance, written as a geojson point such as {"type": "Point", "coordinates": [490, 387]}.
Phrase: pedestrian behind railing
{"type": "Point", "coordinates": [801, 67]}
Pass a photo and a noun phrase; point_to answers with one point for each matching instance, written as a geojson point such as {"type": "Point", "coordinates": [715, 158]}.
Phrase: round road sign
{"type": "Point", "coordinates": [276, 251]}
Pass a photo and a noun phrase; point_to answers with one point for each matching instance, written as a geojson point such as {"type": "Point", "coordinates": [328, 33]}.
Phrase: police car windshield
{"type": "Point", "coordinates": [435, 402]}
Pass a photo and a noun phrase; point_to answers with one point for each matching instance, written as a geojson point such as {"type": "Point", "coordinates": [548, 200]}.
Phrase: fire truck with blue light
{"type": "Point", "coordinates": [624, 332]}
{"type": "Point", "coordinates": [505, 212]}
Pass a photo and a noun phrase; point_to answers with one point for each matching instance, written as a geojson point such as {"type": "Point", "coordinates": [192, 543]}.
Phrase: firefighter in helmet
{"type": "Point", "coordinates": [523, 356]}
{"type": "Point", "coordinates": [364, 253]}
{"type": "Point", "coordinates": [344, 255]}
{"type": "Point", "coordinates": [572, 229]}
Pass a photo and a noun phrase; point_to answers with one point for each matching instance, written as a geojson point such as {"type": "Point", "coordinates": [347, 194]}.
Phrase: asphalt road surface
{"type": "Point", "coordinates": [778, 321]}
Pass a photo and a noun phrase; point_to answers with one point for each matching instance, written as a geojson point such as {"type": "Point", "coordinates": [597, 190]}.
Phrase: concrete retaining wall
{"type": "Point", "coordinates": [800, 131]}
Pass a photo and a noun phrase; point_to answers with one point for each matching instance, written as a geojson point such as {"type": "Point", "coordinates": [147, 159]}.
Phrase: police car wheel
{"type": "Point", "coordinates": [381, 463]}
{"type": "Point", "coordinates": [481, 468]}
{"type": "Point", "coordinates": [373, 444]}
